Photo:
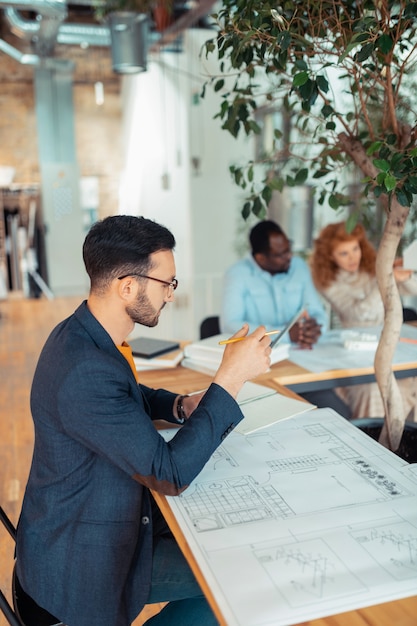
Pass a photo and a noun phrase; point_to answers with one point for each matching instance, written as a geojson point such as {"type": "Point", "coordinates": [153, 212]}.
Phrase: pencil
{"type": "Point", "coordinates": [235, 339]}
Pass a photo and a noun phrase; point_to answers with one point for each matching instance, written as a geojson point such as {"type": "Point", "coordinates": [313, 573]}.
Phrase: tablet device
{"type": "Point", "coordinates": [286, 327]}
{"type": "Point", "coordinates": [148, 347]}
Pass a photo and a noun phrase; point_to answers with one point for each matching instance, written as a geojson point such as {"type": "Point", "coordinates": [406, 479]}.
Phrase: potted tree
{"type": "Point", "coordinates": [343, 71]}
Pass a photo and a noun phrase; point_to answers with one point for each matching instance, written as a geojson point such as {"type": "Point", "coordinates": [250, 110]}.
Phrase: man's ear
{"type": "Point", "coordinates": [260, 258]}
{"type": "Point", "coordinates": [127, 287]}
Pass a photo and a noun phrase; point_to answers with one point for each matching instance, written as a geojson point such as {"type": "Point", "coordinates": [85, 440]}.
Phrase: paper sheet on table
{"type": "Point", "coordinates": [263, 412]}
{"type": "Point", "coordinates": [306, 518]}
{"type": "Point", "coordinates": [329, 352]}
{"type": "Point", "coordinates": [252, 391]}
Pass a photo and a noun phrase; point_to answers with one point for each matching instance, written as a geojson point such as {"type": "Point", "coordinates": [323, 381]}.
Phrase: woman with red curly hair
{"type": "Point", "coordinates": [343, 270]}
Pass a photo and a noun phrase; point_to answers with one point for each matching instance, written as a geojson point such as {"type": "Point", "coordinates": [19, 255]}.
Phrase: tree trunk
{"type": "Point", "coordinates": [394, 226]}
{"type": "Point", "coordinates": [394, 407]}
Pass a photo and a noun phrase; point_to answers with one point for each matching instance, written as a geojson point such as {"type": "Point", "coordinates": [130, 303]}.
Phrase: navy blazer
{"type": "Point", "coordinates": [84, 540]}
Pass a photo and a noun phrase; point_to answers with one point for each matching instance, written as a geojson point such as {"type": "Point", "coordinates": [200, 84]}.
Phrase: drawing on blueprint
{"type": "Point", "coordinates": [307, 571]}
{"type": "Point", "coordinates": [310, 516]}
{"type": "Point", "coordinates": [221, 455]}
{"type": "Point", "coordinates": [396, 543]}
{"type": "Point", "coordinates": [226, 503]}
{"type": "Point", "coordinates": [281, 488]}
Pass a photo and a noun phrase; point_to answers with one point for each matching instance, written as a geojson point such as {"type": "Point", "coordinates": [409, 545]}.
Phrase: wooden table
{"type": "Point", "coordinates": [299, 379]}
{"type": "Point", "coordinates": [182, 380]}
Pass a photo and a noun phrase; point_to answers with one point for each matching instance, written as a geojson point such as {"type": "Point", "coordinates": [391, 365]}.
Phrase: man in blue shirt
{"type": "Point", "coordinates": [270, 286]}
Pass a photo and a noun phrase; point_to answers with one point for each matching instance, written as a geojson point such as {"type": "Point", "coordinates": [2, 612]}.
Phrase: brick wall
{"type": "Point", "coordinates": [98, 128]}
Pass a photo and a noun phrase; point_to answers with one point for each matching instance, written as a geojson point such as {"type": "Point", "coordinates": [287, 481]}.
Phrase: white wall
{"type": "Point", "coordinates": [176, 172]}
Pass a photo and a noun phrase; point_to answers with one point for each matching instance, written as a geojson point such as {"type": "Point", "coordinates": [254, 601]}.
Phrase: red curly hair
{"type": "Point", "coordinates": [323, 268]}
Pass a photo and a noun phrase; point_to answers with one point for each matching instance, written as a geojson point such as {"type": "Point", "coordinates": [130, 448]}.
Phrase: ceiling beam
{"type": "Point", "coordinates": [189, 19]}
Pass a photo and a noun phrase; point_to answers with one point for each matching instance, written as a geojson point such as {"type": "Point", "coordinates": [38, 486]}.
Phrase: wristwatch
{"type": "Point", "coordinates": [181, 416]}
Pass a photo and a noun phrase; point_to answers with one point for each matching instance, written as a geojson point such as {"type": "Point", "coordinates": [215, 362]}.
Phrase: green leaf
{"type": "Point", "coordinates": [322, 83]}
{"type": "Point", "coordinates": [356, 40]}
{"type": "Point", "coordinates": [374, 147]}
{"type": "Point", "coordinates": [255, 128]}
{"type": "Point", "coordinates": [246, 210]}
{"type": "Point", "coordinates": [334, 201]}
{"type": "Point", "coordinates": [351, 222]}
{"type": "Point", "coordinates": [385, 43]}
{"type": "Point", "coordinates": [301, 176]}
{"type": "Point", "coordinates": [276, 183]}
{"type": "Point", "coordinates": [219, 85]}
{"type": "Point", "coordinates": [237, 175]}
{"type": "Point", "coordinates": [390, 182]}
{"type": "Point", "coordinates": [300, 79]}
{"type": "Point", "coordinates": [402, 198]}
{"type": "Point", "coordinates": [321, 172]}
{"type": "Point", "coordinates": [381, 164]}
{"type": "Point", "coordinates": [364, 53]}
{"type": "Point", "coordinates": [284, 39]}
{"type": "Point", "coordinates": [210, 46]}
{"type": "Point", "coordinates": [258, 207]}
{"type": "Point", "coordinates": [267, 194]}
{"type": "Point", "coordinates": [301, 65]}
{"type": "Point", "coordinates": [327, 110]}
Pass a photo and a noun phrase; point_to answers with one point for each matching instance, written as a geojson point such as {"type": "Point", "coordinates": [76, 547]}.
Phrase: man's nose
{"type": "Point", "coordinates": [170, 296]}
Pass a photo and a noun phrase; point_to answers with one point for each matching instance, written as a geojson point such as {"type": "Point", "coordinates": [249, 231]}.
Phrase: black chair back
{"type": "Point", "coordinates": [5, 607]}
{"type": "Point", "coordinates": [25, 611]}
{"type": "Point", "coordinates": [210, 326]}
{"type": "Point", "coordinates": [409, 315]}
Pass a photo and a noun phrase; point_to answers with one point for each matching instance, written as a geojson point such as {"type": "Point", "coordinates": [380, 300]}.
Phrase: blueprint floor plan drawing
{"type": "Point", "coordinates": [303, 519]}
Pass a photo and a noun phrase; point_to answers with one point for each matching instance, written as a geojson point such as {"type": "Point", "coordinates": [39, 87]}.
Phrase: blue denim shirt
{"type": "Point", "coordinates": [257, 297]}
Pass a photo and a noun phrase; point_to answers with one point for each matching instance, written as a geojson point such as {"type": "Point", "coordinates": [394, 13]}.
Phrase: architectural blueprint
{"type": "Point", "coordinates": [306, 518]}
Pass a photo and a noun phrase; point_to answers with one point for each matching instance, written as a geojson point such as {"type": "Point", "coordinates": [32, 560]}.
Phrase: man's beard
{"type": "Point", "coordinates": [142, 311]}
{"type": "Point", "coordinates": [284, 270]}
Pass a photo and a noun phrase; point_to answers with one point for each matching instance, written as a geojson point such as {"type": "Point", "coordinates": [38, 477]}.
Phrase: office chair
{"type": "Point", "coordinates": [409, 315]}
{"type": "Point", "coordinates": [25, 611]}
{"type": "Point", "coordinates": [210, 326]}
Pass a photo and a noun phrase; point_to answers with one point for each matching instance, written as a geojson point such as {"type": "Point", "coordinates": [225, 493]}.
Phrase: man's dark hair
{"type": "Point", "coordinates": [260, 233]}
{"type": "Point", "coordinates": [121, 244]}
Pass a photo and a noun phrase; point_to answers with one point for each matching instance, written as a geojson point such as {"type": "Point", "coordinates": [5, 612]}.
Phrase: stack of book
{"type": "Point", "coordinates": [149, 353]}
{"type": "Point", "coordinates": [205, 355]}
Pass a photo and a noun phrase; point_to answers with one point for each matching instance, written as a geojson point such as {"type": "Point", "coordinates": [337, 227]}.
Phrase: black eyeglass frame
{"type": "Point", "coordinates": [173, 284]}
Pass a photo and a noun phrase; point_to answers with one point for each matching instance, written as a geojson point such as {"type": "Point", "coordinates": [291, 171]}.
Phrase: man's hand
{"type": "Point", "coordinates": [244, 360]}
{"type": "Point", "coordinates": [305, 332]}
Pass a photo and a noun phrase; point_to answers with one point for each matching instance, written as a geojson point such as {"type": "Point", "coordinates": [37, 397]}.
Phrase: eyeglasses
{"type": "Point", "coordinates": [171, 285]}
{"type": "Point", "coordinates": [280, 255]}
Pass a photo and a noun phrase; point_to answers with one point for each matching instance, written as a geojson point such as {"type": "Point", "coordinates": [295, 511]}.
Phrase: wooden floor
{"type": "Point", "coordinates": [24, 326]}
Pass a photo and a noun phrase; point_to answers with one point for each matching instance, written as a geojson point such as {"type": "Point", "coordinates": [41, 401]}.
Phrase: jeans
{"type": "Point", "coordinates": [174, 582]}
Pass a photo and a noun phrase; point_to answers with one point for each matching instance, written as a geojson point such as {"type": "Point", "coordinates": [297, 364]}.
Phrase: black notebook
{"type": "Point", "coordinates": [148, 348]}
